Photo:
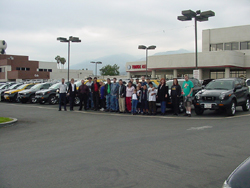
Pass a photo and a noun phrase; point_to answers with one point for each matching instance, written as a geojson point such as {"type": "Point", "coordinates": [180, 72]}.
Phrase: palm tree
{"type": "Point", "coordinates": [63, 61]}
{"type": "Point", "coordinates": [58, 60]}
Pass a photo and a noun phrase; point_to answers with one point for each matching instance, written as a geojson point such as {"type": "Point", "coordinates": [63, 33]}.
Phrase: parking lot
{"type": "Point", "coordinates": [48, 148]}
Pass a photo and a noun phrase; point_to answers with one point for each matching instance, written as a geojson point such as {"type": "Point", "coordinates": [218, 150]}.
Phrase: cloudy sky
{"type": "Point", "coordinates": [107, 27]}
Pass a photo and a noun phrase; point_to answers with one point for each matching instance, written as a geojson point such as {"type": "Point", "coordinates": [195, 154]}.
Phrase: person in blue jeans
{"type": "Point", "coordinates": [162, 95]}
{"type": "Point", "coordinates": [114, 98]}
{"type": "Point", "coordinates": [134, 102]}
{"type": "Point", "coordinates": [90, 103]}
{"type": "Point", "coordinates": [108, 95]}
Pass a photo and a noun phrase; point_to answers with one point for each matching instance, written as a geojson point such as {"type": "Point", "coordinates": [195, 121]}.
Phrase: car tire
{"type": "Point", "coordinates": [231, 111]}
{"type": "Point", "coordinates": [77, 101]}
{"type": "Point", "coordinates": [32, 98]}
{"type": "Point", "coordinates": [198, 110]}
{"type": "Point", "coordinates": [52, 99]}
{"type": "Point", "coordinates": [246, 106]}
{"type": "Point", "coordinates": [16, 99]}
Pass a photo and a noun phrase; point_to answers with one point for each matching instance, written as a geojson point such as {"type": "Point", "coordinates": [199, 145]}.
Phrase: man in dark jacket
{"type": "Point", "coordinates": [121, 95]}
{"type": "Point", "coordinates": [83, 93]}
{"type": "Point", "coordinates": [72, 94]}
{"type": "Point", "coordinates": [95, 90]}
{"type": "Point", "coordinates": [107, 94]}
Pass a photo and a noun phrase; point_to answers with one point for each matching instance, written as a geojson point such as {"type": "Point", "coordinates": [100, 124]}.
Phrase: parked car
{"type": "Point", "coordinates": [248, 83]}
{"type": "Point", "coordinates": [47, 95]}
{"type": "Point", "coordinates": [169, 83]}
{"type": "Point", "coordinates": [239, 178]}
{"type": "Point", "coordinates": [11, 95]}
{"type": "Point", "coordinates": [223, 94]}
{"type": "Point", "coordinates": [206, 81]}
{"type": "Point", "coordinates": [28, 95]}
{"type": "Point", "coordinates": [7, 88]}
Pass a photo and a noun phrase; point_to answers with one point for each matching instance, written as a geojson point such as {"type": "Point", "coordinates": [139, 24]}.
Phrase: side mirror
{"type": "Point", "coordinates": [237, 87]}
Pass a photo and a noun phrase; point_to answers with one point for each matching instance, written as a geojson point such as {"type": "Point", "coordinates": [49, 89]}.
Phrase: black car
{"type": "Point", "coordinates": [8, 87]}
{"type": "Point", "coordinates": [223, 94]}
{"type": "Point", "coordinates": [47, 95]}
{"type": "Point", "coordinates": [239, 178]}
{"type": "Point", "coordinates": [28, 95]}
{"type": "Point", "coordinates": [197, 88]}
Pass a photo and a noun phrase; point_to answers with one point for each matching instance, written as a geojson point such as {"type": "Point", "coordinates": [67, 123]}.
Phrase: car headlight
{"type": "Point", "coordinates": [43, 93]}
{"type": "Point", "coordinates": [222, 96]}
{"type": "Point", "coordinates": [198, 96]}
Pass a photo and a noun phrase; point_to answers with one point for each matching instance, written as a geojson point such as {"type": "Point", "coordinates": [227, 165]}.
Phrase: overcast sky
{"type": "Point", "coordinates": [107, 27]}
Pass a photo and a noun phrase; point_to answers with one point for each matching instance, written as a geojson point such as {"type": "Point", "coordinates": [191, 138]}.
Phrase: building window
{"type": "Point", "coordinates": [27, 69]}
{"type": "Point", "coordinates": [217, 74]}
{"type": "Point", "coordinates": [245, 45]}
{"type": "Point", "coordinates": [50, 70]}
{"type": "Point", "coordinates": [231, 46]}
{"type": "Point", "coordinates": [0, 69]}
{"type": "Point", "coordinates": [228, 46]}
{"type": "Point", "coordinates": [23, 68]}
{"type": "Point", "coordinates": [213, 47]}
{"type": "Point", "coordinates": [45, 70]}
{"type": "Point", "coordinates": [40, 70]}
{"type": "Point", "coordinates": [235, 46]}
{"type": "Point", "coordinates": [18, 68]}
{"type": "Point", "coordinates": [216, 47]}
{"type": "Point", "coordinates": [238, 74]}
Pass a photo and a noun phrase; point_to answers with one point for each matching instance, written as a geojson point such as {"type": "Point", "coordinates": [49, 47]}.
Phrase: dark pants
{"type": "Point", "coordinates": [83, 98]}
{"type": "Point", "coordinates": [96, 99]}
{"type": "Point", "coordinates": [72, 100]}
{"type": "Point", "coordinates": [102, 103]}
{"type": "Point", "coordinates": [152, 107]}
{"type": "Point", "coordinates": [175, 103]}
{"type": "Point", "coordinates": [62, 98]}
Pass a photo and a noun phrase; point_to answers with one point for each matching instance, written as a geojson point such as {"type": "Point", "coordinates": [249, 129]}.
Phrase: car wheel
{"type": "Point", "coordinates": [16, 99]}
{"type": "Point", "coordinates": [198, 110]}
{"type": "Point", "coordinates": [181, 107]}
{"type": "Point", "coordinates": [32, 99]}
{"type": "Point", "coordinates": [52, 99]}
{"type": "Point", "coordinates": [231, 111]}
{"type": "Point", "coordinates": [246, 106]}
{"type": "Point", "coordinates": [77, 101]}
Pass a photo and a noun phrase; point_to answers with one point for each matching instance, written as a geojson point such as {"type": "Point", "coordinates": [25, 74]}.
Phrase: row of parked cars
{"type": "Point", "coordinates": [219, 94]}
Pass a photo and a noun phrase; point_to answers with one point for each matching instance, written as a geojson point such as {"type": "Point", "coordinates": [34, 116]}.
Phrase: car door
{"type": "Point", "coordinates": [239, 92]}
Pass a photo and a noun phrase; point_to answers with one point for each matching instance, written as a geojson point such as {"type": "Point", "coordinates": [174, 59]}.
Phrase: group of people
{"type": "Point", "coordinates": [135, 98]}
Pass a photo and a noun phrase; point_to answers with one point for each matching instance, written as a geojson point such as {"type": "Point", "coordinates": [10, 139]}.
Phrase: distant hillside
{"type": "Point", "coordinates": [119, 59]}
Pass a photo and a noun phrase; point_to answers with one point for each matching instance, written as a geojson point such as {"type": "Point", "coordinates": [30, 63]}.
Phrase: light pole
{"type": "Point", "coordinates": [142, 47]}
{"type": "Point", "coordinates": [71, 39]}
{"type": "Point", "coordinates": [98, 62]}
{"type": "Point", "coordinates": [198, 16]}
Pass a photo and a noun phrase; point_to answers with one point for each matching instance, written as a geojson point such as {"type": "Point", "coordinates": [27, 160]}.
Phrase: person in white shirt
{"type": "Point", "coordinates": [152, 99]}
{"type": "Point", "coordinates": [62, 94]}
{"type": "Point", "coordinates": [134, 102]}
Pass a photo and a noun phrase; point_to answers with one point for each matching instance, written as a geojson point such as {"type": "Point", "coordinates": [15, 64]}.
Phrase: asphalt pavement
{"type": "Point", "coordinates": [48, 148]}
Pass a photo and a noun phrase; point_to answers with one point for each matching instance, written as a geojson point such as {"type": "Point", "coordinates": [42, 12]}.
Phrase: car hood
{"type": "Point", "coordinates": [214, 93]}
{"type": "Point", "coordinates": [13, 91]}
{"type": "Point", "coordinates": [27, 91]}
{"type": "Point", "coordinates": [45, 90]}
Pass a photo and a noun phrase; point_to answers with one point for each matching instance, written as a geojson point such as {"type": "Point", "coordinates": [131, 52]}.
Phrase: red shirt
{"type": "Point", "coordinates": [95, 87]}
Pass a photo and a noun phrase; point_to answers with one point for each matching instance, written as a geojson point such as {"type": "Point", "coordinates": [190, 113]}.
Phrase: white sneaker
{"type": "Point", "coordinates": [102, 109]}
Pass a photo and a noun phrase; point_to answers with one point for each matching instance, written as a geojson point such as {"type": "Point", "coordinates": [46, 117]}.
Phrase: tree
{"type": "Point", "coordinates": [57, 58]}
{"type": "Point", "coordinates": [110, 70]}
{"type": "Point", "coordinates": [63, 61]}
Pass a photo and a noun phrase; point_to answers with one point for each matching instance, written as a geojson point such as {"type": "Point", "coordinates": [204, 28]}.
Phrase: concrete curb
{"type": "Point", "coordinates": [9, 122]}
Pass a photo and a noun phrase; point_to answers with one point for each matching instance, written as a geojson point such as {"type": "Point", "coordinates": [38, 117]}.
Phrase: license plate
{"type": "Point", "coordinates": [37, 97]}
{"type": "Point", "coordinates": [208, 105]}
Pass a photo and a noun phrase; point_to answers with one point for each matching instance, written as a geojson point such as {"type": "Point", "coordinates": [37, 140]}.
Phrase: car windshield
{"type": "Point", "coordinates": [55, 86]}
{"type": "Point", "coordinates": [14, 86]}
{"type": "Point", "coordinates": [2, 86]}
{"type": "Point", "coordinates": [22, 86]}
{"type": "Point", "coordinates": [29, 86]}
{"type": "Point", "coordinates": [170, 83]}
{"type": "Point", "coordinates": [220, 84]}
{"type": "Point", "coordinates": [37, 86]}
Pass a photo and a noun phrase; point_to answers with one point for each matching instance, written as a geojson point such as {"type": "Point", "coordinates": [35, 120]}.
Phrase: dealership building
{"type": "Point", "coordinates": [20, 68]}
{"type": "Point", "coordinates": [225, 53]}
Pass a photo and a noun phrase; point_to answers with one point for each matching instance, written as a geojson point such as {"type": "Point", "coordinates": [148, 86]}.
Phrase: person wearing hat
{"type": "Point", "coordinates": [90, 103]}
{"type": "Point", "coordinates": [95, 91]}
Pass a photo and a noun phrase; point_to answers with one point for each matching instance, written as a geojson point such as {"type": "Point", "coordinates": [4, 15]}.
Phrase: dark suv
{"type": "Point", "coordinates": [47, 95]}
{"type": "Point", "coordinates": [224, 94]}
{"type": "Point", "coordinates": [28, 95]}
{"type": "Point", "coordinates": [197, 88]}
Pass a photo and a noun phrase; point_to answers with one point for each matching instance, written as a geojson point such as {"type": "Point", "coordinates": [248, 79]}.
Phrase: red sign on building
{"type": "Point", "coordinates": [136, 66]}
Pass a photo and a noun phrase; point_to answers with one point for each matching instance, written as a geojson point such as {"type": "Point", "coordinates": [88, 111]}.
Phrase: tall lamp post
{"type": "Point", "coordinates": [98, 62]}
{"type": "Point", "coordinates": [142, 47]}
{"type": "Point", "coordinates": [71, 39]}
{"type": "Point", "coordinates": [198, 16]}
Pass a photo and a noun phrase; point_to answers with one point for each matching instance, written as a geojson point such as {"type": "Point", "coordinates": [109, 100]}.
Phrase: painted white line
{"type": "Point", "coordinates": [199, 128]}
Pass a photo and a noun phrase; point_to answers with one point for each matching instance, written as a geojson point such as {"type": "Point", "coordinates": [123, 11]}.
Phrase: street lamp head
{"type": "Point", "coordinates": [62, 39]}
{"type": "Point", "coordinates": [188, 13]}
{"type": "Point", "coordinates": [99, 62]}
{"type": "Point", "coordinates": [92, 62]}
{"type": "Point", "coordinates": [184, 18]}
{"type": "Point", "coordinates": [142, 47]}
{"type": "Point", "coordinates": [207, 14]}
{"type": "Point", "coordinates": [201, 19]}
{"type": "Point", "coordinates": [74, 39]}
{"type": "Point", "coordinates": [151, 47]}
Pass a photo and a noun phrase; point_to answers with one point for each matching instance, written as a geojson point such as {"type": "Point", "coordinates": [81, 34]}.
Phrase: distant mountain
{"type": "Point", "coordinates": [180, 51]}
{"type": "Point", "coordinates": [120, 60]}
